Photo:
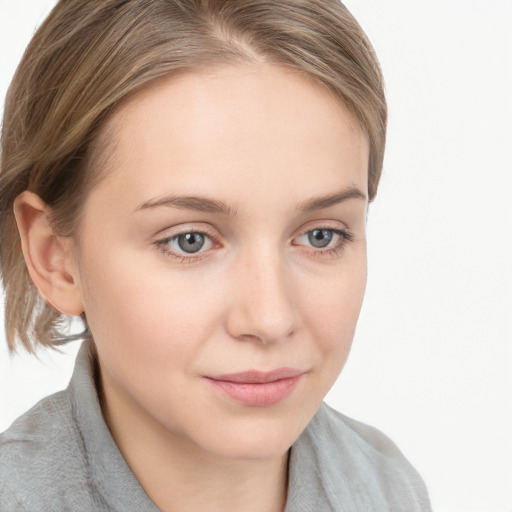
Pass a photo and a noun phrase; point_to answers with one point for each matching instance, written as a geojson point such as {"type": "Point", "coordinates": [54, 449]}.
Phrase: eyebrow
{"type": "Point", "coordinates": [203, 204]}
{"type": "Point", "coordinates": [319, 203]}
{"type": "Point", "coordinates": [200, 204]}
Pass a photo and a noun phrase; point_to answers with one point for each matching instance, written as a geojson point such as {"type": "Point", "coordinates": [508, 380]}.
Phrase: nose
{"type": "Point", "coordinates": [263, 303]}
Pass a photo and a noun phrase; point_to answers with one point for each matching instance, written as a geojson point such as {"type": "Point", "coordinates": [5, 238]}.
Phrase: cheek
{"type": "Point", "coordinates": [332, 312]}
{"type": "Point", "coordinates": [333, 308]}
{"type": "Point", "coordinates": [144, 314]}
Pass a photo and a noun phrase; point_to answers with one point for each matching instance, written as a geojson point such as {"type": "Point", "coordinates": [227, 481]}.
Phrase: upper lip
{"type": "Point", "coordinates": [258, 377]}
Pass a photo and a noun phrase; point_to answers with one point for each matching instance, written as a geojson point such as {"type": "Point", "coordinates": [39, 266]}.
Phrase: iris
{"type": "Point", "coordinates": [320, 237]}
{"type": "Point", "coordinates": [191, 242]}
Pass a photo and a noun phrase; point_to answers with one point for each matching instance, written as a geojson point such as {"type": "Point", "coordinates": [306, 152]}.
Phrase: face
{"type": "Point", "coordinates": [222, 260]}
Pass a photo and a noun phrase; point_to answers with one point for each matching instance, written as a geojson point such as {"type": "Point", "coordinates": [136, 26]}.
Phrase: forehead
{"type": "Point", "coordinates": [239, 124]}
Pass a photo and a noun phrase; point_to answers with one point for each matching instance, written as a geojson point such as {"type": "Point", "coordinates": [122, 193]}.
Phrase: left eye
{"type": "Point", "coordinates": [190, 243]}
{"type": "Point", "coordinates": [320, 238]}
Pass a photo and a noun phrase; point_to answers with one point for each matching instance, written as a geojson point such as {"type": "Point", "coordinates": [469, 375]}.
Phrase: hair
{"type": "Point", "coordinates": [89, 56]}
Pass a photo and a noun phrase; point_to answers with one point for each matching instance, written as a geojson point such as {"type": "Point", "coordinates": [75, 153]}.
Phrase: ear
{"type": "Point", "coordinates": [48, 257]}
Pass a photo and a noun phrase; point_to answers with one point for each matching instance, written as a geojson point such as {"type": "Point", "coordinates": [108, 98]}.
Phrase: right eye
{"type": "Point", "coordinates": [189, 242]}
{"type": "Point", "coordinates": [186, 244]}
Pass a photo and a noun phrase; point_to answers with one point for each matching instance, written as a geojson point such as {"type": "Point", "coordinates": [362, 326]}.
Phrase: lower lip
{"type": "Point", "coordinates": [257, 395]}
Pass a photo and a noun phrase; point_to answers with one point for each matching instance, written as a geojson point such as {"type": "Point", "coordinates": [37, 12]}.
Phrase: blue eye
{"type": "Point", "coordinates": [325, 240]}
{"type": "Point", "coordinates": [189, 243]}
{"type": "Point", "coordinates": [320, 238]}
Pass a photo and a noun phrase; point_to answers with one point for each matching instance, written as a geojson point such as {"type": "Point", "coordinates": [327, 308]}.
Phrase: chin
{"type": "Point", "coordinates": [253, 450]}
{"type": "Point", "coordinates": [256, 440]}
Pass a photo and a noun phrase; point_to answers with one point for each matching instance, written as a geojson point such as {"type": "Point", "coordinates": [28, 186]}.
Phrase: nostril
{"type": "Point", "coordinates": [263, 303]}
{"type": "Point", "coordinates": [248, 324]}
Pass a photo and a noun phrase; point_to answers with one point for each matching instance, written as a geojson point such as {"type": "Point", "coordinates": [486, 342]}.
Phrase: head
{"type": "Point", "coordinates": [195, 173]}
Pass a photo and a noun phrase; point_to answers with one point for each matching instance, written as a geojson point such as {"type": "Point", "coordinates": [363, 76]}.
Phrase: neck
{"type": "Point", "coordinates": [179, 476]}
{"type": "Point", "coordinates": [188, 483]}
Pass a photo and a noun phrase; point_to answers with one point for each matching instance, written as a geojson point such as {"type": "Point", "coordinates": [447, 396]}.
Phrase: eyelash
{"type": "Point", "coordinates": [162, 245]}
{"type": "Point", "coordinates": [345, 236]}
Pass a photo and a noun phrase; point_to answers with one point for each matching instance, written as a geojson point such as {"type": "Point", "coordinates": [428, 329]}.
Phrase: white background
{"type": "Point", "coordinates": [432, 358]}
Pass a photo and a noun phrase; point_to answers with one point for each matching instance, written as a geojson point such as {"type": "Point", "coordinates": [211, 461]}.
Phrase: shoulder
{"type": "Point", "coordinates": [359, 465]}
{"type": "Point", "coordinates": [358, 437]}
{"type": "Point", "coordinates": [30, 439]}
{"type": "Point", "coordinates": [42, 453]}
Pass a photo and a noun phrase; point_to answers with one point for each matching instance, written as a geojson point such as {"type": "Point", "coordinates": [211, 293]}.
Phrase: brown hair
{"type": "Point", "coordinates": [88, 56]}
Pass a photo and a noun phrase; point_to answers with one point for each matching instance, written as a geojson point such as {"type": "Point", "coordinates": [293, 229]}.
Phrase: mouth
{"type": "Point", "coordinates": [255, 388]}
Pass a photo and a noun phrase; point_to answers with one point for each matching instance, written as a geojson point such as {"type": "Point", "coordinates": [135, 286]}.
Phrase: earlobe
{"type": "Point", "coordinates": [47, 255]}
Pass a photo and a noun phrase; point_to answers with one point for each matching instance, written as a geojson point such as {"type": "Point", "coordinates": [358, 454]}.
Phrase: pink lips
{"type": "Point", "coordinates": [258, 389]}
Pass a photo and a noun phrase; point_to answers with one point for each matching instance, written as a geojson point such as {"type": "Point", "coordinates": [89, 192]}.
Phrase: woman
{"type": "Point", "coordinates": [191, 177]}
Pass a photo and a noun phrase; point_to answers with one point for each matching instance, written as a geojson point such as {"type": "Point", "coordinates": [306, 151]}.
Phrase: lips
{"type": "Point", "coordinates": [255, 388]}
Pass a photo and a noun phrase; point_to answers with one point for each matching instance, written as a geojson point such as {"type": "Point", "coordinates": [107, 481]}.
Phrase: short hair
{"type": "Point", "coordinates": [89, 56]}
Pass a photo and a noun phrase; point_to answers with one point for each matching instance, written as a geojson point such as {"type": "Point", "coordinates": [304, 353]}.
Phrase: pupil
{"type": "Point", "coordinates": [191, 242]}
{"type": "Point", "coordinates": [320, 237]}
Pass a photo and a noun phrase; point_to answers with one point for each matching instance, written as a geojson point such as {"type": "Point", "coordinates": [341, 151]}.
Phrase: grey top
{"type": "Point", "coordinates": [60, 456]}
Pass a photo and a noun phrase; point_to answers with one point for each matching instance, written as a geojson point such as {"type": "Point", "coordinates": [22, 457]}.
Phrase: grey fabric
{"type": "Point", "coordinates": [341, 465]}
{"type": "Point", "coordinates": [60, 456]}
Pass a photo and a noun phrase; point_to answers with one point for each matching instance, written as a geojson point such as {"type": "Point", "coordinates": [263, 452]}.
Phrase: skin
{"type": "Point", "coordinates": [266, 142]}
